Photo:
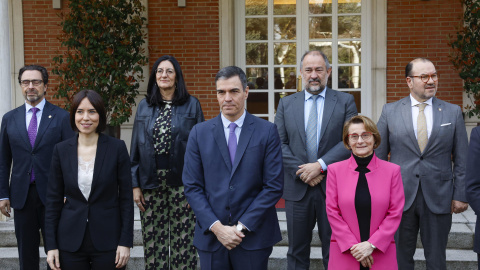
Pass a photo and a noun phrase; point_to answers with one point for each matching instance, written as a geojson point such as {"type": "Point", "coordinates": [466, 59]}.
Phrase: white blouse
{"type": "Point", "coordinates": [85, 176]}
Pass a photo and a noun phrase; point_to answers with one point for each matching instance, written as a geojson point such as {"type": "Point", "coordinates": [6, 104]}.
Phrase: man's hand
{"type": "Point", "coordinates": [227, 235]}
{"type": "Point", "coordinates": [317, 180]}
{"type": "Point", "coordinates": [53, 259]}
{"type": "Point", "coordinates": [138, 198]}
{"type": "Point", "coordinates": [309, 171]}
{"type": "Point", "coordinates": [5, 207]}
{"type": "Point", "coordinates": [458, 207]}
{"type": "Point", "coordinates": [361, 251]}
{"type": "Point", "coordinates": [123, 254]}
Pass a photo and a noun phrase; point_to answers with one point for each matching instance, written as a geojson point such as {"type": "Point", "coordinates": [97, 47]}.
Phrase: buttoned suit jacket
{"type": "Point", "coordinates": [387, 199]}
{"type": "Point", "coordinates": [433, 168]}
{"type": "Point", "coordinates": [109, 208]}
{"type": "Point", "coordinates": [472, 181]}
{"type": "Point", "coordinates": [16, 150]}
{"type": "Point", "coordinates": [338, 108]}
{"type": "Point", "coordinates": [246, 191]}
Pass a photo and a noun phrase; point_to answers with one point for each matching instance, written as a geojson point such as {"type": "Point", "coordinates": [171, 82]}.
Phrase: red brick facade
{"type": "Point", "coordinates": [421, 29]}
{"type": "Point", "coordinates": [191, 34]}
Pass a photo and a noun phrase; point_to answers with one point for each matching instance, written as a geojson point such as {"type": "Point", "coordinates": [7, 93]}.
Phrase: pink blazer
{"type": "Point", "coordinates": [386, 191]}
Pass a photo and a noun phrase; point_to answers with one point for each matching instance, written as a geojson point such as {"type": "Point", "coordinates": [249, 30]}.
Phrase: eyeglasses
{"type": "Point", "coordinates": [170, 72]}
{"type": "Point", "coordinates": [425, 78]}
{"type": "Point", "coordinates": [365, 136]}
{"type": "Point", "coordinates": [34, 82]}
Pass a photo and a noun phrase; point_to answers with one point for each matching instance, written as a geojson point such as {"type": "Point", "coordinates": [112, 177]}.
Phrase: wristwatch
{"type": "Point", "coordinates": [374, 247]}
{"type": "Point", "coordinates": [241, 229]}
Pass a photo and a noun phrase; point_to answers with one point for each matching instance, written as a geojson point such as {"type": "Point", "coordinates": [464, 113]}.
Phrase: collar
{"type": "Point", "coordinates": [414, 102]}
{"type": "Point", "coordinates": [308, 95]}
{"type": "Point", "coordinates": [239, 121]}
{"type": "Point", "coordinates": [40, 105]}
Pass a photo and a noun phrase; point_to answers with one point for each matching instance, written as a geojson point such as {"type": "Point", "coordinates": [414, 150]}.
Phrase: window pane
{"type": "Point", "coordinates": [349, 77]}
{"type": "Point", "coordinates": [350, 6]}
{"type": "Point", "coordinates": [257, 53]}
{"type": "Point", "coordinates": [325, 47]}
{"type": "Point", "coordinates": [284, 7]}
{"type": "Point", "coordinates": [257, 103]}
{"type": "Point", "coordinates": [320, 27]}
{"type": "Point", "coordinates": [349, 27]}
{"type": "Point", "coordinates": [349, 52]}
{"type": "Point", "coordinates": [284, 28]}
{"type": "Point", "coordinates": [357, 96]}
{"type": "Point", "coordinates": [320, 6]}
{"type": "Point", "coordinates": [280, 95]}
{"type": "Point", "coordinates": [254, 75]}
{"type": "Point", "coordinates": [256, 7]}
{"type": "Point", "coordinates": [256, 29]}
{"type": "Point", "coordinates": [285, 53]}
{"type": "Point", "coordinates": [288, 77]}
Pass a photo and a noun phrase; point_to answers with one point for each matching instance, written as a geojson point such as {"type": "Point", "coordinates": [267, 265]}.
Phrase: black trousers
{"type": "Point", "coordinates": [301, 219]}
{"type": "Point", "coordinates": [88, 257]}
{"type": "Point", "coordinates": [235, 259]}
{"type": "Point", "coordinates": [28, 222]}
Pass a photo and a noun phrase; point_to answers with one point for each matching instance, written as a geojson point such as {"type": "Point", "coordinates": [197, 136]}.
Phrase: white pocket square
{"type": "Point", "coordinates": [446, 124]}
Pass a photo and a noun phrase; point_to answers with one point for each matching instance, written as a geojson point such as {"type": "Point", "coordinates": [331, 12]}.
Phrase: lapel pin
{"type": "Point", "coordinates": [49, 116]}
{"type": "Point", "coordinates": [439, 109]}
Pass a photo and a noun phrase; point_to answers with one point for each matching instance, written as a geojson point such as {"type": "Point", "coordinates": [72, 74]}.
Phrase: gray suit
{"type": "Point", "coordinates": [338, 108]}
{"type": "Point", "coordinates": [429, 182]}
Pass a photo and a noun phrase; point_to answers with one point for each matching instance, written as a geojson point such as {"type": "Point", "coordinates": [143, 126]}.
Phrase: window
{"type": "Point", "coordinates": [272, 36]}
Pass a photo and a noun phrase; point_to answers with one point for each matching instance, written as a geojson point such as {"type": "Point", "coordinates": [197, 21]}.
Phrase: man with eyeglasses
{"type": "Point", "coordinates": [27, 137]}
{"type": "Point", "coordinates": [310, 124]}
{"type": "Point", "coordinates": [424, 135]}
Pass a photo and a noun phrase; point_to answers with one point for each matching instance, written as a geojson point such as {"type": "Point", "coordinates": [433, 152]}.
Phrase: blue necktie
{"type": "Point", "coordinates": [232, 141]}
{"type": "Point", "coordinates": [312, 144]}
{"type": "Point", "coordinates": [32, 135]}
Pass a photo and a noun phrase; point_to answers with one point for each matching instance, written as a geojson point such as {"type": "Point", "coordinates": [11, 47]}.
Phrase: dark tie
{"type": "Point", "coordinates": [232, 141]}
{"type": "Point", "coordinates": [32, 135]}
{"type": "Point", "coordinates": [312, 144]}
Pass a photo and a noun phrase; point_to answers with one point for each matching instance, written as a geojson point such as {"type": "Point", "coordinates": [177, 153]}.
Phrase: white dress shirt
{"type": "Point", "coordinates": [428, 114]}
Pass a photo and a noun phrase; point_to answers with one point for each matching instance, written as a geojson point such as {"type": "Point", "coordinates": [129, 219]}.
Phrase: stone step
{"type": "Point", "coordinates": [456, 259]}
{"type": "Point", "coordinates": [461, 234]}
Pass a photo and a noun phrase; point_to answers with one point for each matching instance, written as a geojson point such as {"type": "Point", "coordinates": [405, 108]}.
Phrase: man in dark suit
{"type": "Point", "coordinates": [424, 135]}
{"type": "Point", "coordinates": [27, 137]}
{"type": "Point", "coordinates": [472, 184]}
{"type": "Point", "coordinates": [233, 189]}
{"type": "Point", "coordinates": [310, 124]}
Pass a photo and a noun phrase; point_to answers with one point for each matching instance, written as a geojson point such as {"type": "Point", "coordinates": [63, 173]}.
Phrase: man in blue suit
{"type": "Point", "coordinates": [233, 177]}
{"type": "Point", "coordinates": [27, 137]}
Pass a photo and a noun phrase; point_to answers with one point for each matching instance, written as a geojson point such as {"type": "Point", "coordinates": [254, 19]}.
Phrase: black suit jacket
{"type": "Point", "coordinates": [15, 148]}
{"type": "Point", "coordinates": [109, 209]}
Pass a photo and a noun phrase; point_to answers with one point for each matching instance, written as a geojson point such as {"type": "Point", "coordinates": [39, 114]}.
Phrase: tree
{"type": "Point", "coordinates": [466, 54]}
{"type": "Point", "coordinates": [103, 41]}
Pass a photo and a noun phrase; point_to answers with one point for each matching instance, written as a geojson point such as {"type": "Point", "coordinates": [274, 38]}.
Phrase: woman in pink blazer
{"type": "Point", "coordinates": [364, 202]}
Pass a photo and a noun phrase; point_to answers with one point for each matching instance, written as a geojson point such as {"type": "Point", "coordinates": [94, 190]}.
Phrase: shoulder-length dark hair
{"type": "Point", "coordinates": [97, 103]}
{"type": "Point", "coordinates": [153, 92]}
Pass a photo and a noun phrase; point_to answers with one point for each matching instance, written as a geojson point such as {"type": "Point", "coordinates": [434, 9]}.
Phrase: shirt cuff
{"type": "Point", "coordinates": [322, 163]}
{"type": "Point", "coordinates": [2, 199]}
{"type": "Point", "coordinates": [210, 228]}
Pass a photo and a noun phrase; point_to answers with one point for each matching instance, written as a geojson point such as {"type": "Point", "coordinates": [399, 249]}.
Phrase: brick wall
{"type": "Point", "coordinates": [191, 35]}
{"type": "Point", "coordinates": [40, 31]}
{"type": "Point", "coordinates": [420, 29]}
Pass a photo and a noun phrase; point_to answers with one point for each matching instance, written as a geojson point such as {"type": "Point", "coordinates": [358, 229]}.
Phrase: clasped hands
{"type": "Point", "coordinates": [229, 236]}
{"type": "Point", "coordinates": [362, 252]}
{"type": "Point", "coordinates": [309, 173]}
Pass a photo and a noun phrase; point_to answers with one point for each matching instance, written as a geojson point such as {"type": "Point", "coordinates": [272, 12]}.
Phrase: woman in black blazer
{"type": "Point", "coordinates": [89, 210]}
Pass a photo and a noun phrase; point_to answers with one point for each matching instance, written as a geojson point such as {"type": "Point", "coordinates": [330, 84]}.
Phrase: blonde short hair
{"type": "Point", "coordinates": [369, 126]}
